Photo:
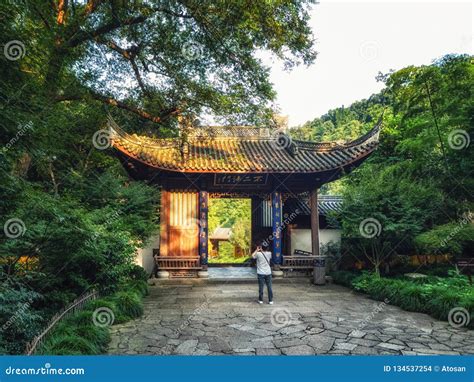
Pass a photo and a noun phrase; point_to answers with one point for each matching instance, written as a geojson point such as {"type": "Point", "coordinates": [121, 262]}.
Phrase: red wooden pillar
{"type": "Point", "coordinates": [203, 228]}
{"type": "Point", "coordinates": [313, 203]}
{"type": "Point", "coordinates": [277, 212]}
{"type": "Point", "coordinates": [164, 222]}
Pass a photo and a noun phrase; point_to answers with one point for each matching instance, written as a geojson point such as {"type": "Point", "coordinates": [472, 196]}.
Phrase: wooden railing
{"type": "Point", "coordinates": [298, 262]}
{"type": "Point", "coordinates": [176, 263]}
{"type": "Point", "coordinates": [76, 306]}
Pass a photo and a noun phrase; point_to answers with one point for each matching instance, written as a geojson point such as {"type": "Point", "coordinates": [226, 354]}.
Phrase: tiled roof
{"type": "Point", "coordinates": [241, 150]}
{"type": "Point", "coordinates": [326, 204]}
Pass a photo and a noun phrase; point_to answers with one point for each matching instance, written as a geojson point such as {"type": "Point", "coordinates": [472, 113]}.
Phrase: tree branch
{"type": "Point", "coordinates": [82, 36]}
{"type": "Point", "coordinates": [38, 12]}
{"type": "Point", "coordinates": [130, 55]}
{"type": "Point", "coordinates": [121, 105]}
{"type": "Point", "coordinates": [62, 9]}
{"type": "Point", "coordinates": [91, 6]}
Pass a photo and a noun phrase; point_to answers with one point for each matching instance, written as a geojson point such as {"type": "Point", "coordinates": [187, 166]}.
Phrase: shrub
{"type": "Point", "coordinates": [411, 298]}
{"type": "Point", "coordinates": [20, 321]}
{"type": "Point", "coordinates": [76, 335]}
{"type": "Point", "coordinates": [344, 277]}
{"type": "Point", "coordinates": [138, 286]}
{"type": "Point", "coordinates": [109, 303]}
{"type": "Point", "coordinates": [81, 318]}
{"type": "Point", "coordinates": [129, 304]}
{"type": "Point", "coordinates": [61, 343]}
{"type": "Point", "coordinates": [451, 238]}
{"type": "Point", "coordinates": [99, 336]}
{"type": "Point", "coordinates": [79, 335]}
{"type": "Point", "coordinates": [137, 272]}
{"type": "Point", "coordinates": [433, 295]}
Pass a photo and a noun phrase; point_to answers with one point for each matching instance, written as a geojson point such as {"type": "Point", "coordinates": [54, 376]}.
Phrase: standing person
{"type": "Point", "coordinates": [264, 271]}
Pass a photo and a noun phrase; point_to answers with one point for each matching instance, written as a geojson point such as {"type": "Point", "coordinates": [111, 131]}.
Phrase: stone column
{"type": "Point", "coordinates": [203, 232]}
{"type": "Point", "coordinates": [277, 212]}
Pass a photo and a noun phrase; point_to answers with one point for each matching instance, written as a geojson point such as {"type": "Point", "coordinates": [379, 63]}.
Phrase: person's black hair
{"type": "Point", "coordinates": [264, 245]}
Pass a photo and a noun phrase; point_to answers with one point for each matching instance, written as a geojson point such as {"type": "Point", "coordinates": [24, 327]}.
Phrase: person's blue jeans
{"type": "Point", "coordinates": [265, 279]}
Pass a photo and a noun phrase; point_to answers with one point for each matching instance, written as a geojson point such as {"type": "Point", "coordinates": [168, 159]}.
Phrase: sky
{"type": "Point", "coordinates": [357, 40]}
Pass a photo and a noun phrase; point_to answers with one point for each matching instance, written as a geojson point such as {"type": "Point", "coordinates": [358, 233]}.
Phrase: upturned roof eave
{"type": "Point", "coordinates": [367, 143]}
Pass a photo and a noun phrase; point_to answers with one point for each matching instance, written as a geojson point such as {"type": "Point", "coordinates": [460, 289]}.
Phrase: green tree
{"type": "Point", "coordinates": [417, 184]}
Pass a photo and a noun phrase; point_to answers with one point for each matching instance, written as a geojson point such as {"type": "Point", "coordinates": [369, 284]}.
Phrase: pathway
{"type": "Point", "coordinates": [224, 318]}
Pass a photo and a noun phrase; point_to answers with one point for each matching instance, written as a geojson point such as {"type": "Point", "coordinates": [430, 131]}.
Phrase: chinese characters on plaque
{"type": "Point", "coordinates": [240, 179]}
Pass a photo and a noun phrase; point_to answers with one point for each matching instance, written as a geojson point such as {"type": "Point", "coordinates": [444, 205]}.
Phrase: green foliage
{"type": "Point", "coordinates": [416, 185]}
{"type": "Point", "coordinates": [140, 287]}
{"type": "Point", "coordinates": [344, 277]}
{"type": "Point", "coordinates": [235, 214]}
{"type": "Point", "coordinates": [450, 238]}
{"type": "Point", "coordinates": [241, 234]}
{"type": "Point", "coordinates": [129, 304]}
{"type": "Point", "coordinates": [137, 273]}
{"type": "Point", "coordinates": [69, 344]}
{"type": "Point", "coordinates": [206, 60]}
{"type": "Point", "coordinates": [20, 321]}
{"type": "Point", "coordinates": [78, 334]}
{"type": "Point", "coordinates": [432, 295]}
{"type": "Point", "coordinates": [84, 217]}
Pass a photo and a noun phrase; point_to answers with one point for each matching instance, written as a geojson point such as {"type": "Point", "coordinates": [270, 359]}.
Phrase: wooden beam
{"type": "Point", "coordinates": [313, 203]}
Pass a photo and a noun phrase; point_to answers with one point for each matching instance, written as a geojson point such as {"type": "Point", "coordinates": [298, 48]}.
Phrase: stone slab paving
{"type": "Point", "coordinates": [225, 273]}
{"type": "Point", "coordinates": [217, 319]}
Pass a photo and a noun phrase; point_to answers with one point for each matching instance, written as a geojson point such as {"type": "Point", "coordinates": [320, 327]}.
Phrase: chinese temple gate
{"type": "Point", "coordinates": [263, 164]}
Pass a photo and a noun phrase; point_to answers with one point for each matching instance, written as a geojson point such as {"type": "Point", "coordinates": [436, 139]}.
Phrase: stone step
{"type": "Point", "coordinates": [212, 281]}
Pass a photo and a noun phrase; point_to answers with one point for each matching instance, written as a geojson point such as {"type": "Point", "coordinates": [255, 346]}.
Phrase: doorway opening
{"type": "Point", "coordinates": [230, 231]}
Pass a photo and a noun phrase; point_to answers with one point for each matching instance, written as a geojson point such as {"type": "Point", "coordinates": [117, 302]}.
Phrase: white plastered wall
{"type": "Point", "coordinates": [301, 238]}
{"type": "Point", "coordinates": [144, 256]}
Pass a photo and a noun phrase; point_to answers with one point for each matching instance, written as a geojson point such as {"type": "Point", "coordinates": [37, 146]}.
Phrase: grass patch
{"type": "Point", "coordinates": [129, 304]}
{"type": "Point", "coordinates": [433, 295]}
{"type": "Point", "coordinates": [79, 335]}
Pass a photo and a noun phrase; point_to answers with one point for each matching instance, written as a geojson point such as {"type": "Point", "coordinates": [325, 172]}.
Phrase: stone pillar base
{"type": "Point", "coordinates": [163, 275]}
{"type": "Point", "coordinates": [277, 273]}
{"type": "Point", "coordinates": [203, 274]}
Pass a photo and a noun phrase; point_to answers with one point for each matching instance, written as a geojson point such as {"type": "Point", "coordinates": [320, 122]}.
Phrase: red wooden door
{"type": "Point", "coordinates": [183, 228]}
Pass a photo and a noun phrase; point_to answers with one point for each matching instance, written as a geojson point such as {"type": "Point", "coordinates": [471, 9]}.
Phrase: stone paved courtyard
{"type": "Point", "coordinates": [225, 318]}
